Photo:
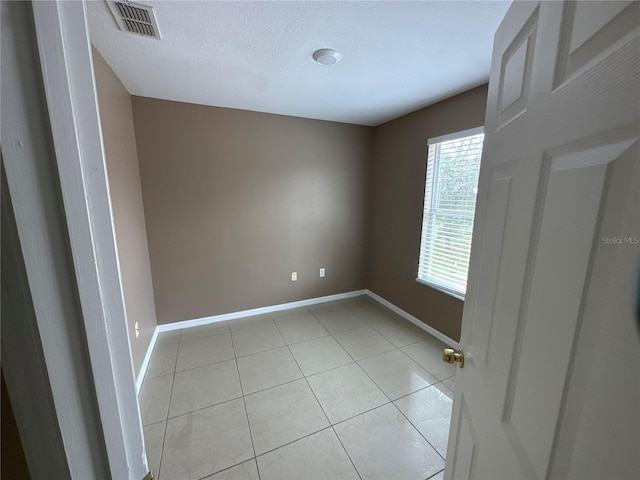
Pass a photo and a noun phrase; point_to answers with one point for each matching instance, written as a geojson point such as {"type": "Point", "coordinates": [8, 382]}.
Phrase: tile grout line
{"type": "Point", "coordinates": [291, 381]}
{"type": "Point", "coordinates": [437, 473]}
{"type": "Point", "coordinates": [411, 393]}
{"type": "Point", "coordinates": [323, 411]}
{"type": "Point", "coordinates": [396, 348]}
{"type": "Point", "coordinates": [438, 379]}
{"type": "Point", "coordinates": [408, 344]}
{"type": "Point", "coordinates": [314, 315]}
{"type": "Point", "coordinates": [293, 441]}
{"type": "Point", "coordinates": [310, 340]}
{"type": "Point", "coordinates": [209, 475]}
{"type": "Point", "coordinates": [205, 335]}
{"type": "Point", "coordinates": [377, 386]}
{"type": "Point", "coordinates": [420, 433]}
{"type": "Point", "coordinates": [396, 407]}
{"type": "Point", "coordinates": [244, 402]}
{"type": "Point", "coordinates": [295, 380]}
{"type": "Point", "coordinates": [343, 331]}
{"type": "Point", "coordinates": [198, 410]}
{"type": "Point", "coordinates": [324, 428]}
{"type": "Point", "coordinates": [405, 417]}
{"type": "Point", "coordinates": [155, 350]}
{"type": "Point", "coordinates": [191, 368]}
{"type": "Point", "coordinates": [373, 326]}
{"type": "Point", "coordinates": [332, 426]}
{"type": "Point", "coordinates": [166, 425]}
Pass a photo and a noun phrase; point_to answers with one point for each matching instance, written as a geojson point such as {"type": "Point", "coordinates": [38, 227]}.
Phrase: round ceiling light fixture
{"type": "Point", "coordinates": [326, 56]}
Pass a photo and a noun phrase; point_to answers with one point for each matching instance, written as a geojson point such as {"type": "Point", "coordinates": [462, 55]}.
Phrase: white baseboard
{"type": "Point", "coordinates": [145, 362]}
{"type": "Point", "coordinates": [168, 327]}
{"type": "Point", "coordinates": [430, 330]}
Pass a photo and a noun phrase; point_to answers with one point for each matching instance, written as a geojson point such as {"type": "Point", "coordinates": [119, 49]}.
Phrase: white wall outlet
{"type": "Point", "coordinates": [322, 272]}
{"type": "Point", "coordinates": [137, 329]}
{"type": "Point", "coordinates": [294, 276]}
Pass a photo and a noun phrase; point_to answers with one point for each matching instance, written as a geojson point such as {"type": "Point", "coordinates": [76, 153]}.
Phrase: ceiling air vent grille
{"type": "Point", "coordinates": [135, 18]}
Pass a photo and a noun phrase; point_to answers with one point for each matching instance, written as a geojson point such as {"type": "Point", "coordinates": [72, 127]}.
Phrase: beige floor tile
{"type": "Point", "coordinates": [290, 314]}
{"type": "Point", "coordinates": [450, 383]}
{"type": "Point", "coordinates": [340, 321]}
{"type": "Point", "coordinates": [437, 476]}
{"type": "Point", "coordinates": [167, 338]}
{"type": "Point", "coordinates": [153, 440]}
{"type": "Point", "coordinates": [301, 329]}
{"type": "Point", "coordinates": [345, 392]}
{"type": "Point", "coordinates": [428, 355]}
{"type": "Point", "coordinates": [283, 414]}
{"type": "Point", "coordinates": [396, 374]}
{"type": "Point", "coordinates": [319, 355]}
{"type": "Point", "coordinates": [238, 324]}
{"type": "Point", "coordinates": [204, 331]}
{"type": "Point", "coordinates": [372, 314]}
{"type": "Point", "coordinates": [154, 399]}
{"type": "Point", "coordinates": [204, 351]}
{"type": "Point", "coordinates": [163, 360]}
{"type": "Point", "coordinates": [267, 369]}
{"type": "Point", "coordinates": [257, 339]}
{"type": "Point", "coordinates": [288, 419]}
{"type": "Point", "coordinates": [383, 445]}
{"type": "Point", "coordinates": [359, 301]}
{"type": "Point", "coordinates": [206, 441]}
{"type": "Point", "coordinates": [244, 471]}
{"type": "Point", "coordinates": [401, 332]}
{"type": "Point", "coordinates": [363, 343]}
{"type": "Point", "coordinates": [429, 410]}
{"type": "Point", "coordinates": [318, 456]}
{"type": "Point", "coordinates": [204, 386]}
{"type": "Point", "coordinates": [326, 306]}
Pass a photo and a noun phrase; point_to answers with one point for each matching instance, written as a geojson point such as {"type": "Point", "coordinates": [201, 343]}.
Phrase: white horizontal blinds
{"type": "Point", "coordinates": [451, 185]}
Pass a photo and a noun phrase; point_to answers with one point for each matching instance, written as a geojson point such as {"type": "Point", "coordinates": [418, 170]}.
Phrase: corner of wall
{"type": "Point", "coordinates": [118, 135]}
{"type": "Point", "coordinates": [398, 167]}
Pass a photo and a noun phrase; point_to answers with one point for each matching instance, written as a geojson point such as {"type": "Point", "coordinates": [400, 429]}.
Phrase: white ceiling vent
{"type": "Point", "coordinates": [135, 18]}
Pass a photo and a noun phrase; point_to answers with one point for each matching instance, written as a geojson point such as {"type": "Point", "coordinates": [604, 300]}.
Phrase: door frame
{"type": "Point", "coordinates": [58, 185]}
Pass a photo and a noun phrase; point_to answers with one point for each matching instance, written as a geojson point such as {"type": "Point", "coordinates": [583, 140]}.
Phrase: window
{"type": "Point", "coordinates": [453, 166]}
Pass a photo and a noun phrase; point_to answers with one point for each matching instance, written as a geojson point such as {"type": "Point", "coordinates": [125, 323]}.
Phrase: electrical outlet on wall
{"type": "Point", "coordinates": [294, 276]}
{"type": "Point", "coordinates": [137, 329]}
{"type": "Point", "coordinates": [322, 272]}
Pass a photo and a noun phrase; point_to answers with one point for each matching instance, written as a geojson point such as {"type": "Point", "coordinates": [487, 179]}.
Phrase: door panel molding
{"type": "Point", "coordinates": [515, 70]}
{"type": "Point", "coordinates": [593, 40]}
{"type": "Point", "coordinates": [590, 167]}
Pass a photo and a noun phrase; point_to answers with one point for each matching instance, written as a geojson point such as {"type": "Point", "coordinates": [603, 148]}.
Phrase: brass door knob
{"type": "Point", "coordinates": [449, 355]}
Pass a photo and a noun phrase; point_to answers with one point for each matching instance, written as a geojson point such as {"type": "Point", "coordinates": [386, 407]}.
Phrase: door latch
{"type": "Point", "coordinates": [449, 355]}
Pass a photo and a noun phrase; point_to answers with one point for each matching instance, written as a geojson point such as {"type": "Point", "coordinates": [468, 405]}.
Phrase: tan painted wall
{"type": "Point", "coordinates": [126, 197]}
{"type": "Point", "coordinates": [397, 194]}
{"type": "Point", "coordinates": [236, 200]}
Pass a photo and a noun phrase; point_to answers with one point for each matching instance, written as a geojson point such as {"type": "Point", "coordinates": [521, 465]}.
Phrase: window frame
{"type": "Point", "coordinates": [433, 142]}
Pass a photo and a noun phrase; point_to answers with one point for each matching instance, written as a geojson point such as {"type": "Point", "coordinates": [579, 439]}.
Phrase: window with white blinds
{"type": "Point", "coordinates": [453, 166]}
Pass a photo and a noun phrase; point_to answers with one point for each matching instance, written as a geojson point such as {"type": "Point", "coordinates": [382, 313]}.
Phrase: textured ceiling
{"type": "Point", "coordinates": [396, 56]}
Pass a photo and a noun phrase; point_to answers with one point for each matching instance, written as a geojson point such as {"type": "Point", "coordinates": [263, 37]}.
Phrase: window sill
{"type": "Point", "coordinates": [440, 289]}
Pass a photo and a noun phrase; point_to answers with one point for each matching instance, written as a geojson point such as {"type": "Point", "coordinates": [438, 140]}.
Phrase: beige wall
{"type": "Point", "coordinates": [397, 194]}
{"type": "Point", "coordinates": [236, 200]}
{"type": "Point", "coordinates": [126, 197]}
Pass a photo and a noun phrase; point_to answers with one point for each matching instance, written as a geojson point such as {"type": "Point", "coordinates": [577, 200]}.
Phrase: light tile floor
{"type": "Point", "coordinates": [340, 390]}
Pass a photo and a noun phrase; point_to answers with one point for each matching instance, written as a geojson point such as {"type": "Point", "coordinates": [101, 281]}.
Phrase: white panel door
{"type": "Point", "coordinates": [551, 381]}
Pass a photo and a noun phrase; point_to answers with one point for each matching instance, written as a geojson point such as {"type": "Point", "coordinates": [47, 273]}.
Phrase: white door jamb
{"type": "Point", "coordinates": [80, 314]}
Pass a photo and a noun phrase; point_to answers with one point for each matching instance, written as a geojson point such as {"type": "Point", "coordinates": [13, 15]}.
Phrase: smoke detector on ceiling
{"type": "Point", "coordinates": [326, 56]}
{"type": "Point", "coordinates": [134, 18]}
